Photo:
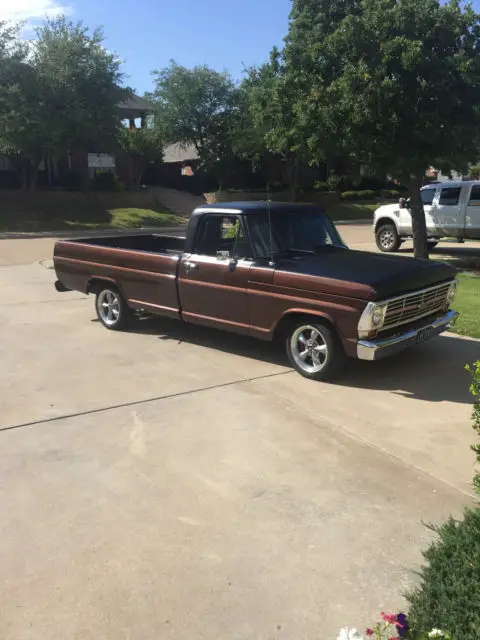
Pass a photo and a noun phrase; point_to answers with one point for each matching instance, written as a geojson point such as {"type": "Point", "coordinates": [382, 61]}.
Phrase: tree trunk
{"type": "Point", "coordinates": [419, 225]}
{"type": "Point", "coordinates": [33, 175]}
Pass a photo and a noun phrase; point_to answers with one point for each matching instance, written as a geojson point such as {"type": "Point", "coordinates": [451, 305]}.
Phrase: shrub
{"type": "Point", "coordinates": [104, 181]}
{"type": "Point", "coordinates": [367, 194]}
{"type": "Point", "coordinates": [390, 193]}
{"type": "Point", "coordinates": [321, 186]}
{"type": "Point", "coordinates": [349, 195]}
{"type": "Point", "coordinates": [449, 594]}
{"type": "Point", "coordinates": [475, 389]}
{"type": "Point", "coordinates": [71, 180]}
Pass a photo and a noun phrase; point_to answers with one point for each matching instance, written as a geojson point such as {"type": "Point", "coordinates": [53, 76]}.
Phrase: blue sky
{"type": "Point", "coordinates": [224, 34]}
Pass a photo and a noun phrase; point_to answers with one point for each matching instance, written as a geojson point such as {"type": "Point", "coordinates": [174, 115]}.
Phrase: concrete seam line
{"type": "Point", "coordinates": [133, 403]}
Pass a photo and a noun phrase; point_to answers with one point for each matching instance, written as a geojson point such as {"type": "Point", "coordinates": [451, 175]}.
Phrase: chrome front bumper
{"type": "Point", "coordinates": [376, 349]}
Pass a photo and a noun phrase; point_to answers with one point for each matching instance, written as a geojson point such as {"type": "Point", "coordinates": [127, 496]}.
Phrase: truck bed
{"type": "Point", "coordinates": [150, 242]}
{"type": "Point", "coordinates": [142, 266]}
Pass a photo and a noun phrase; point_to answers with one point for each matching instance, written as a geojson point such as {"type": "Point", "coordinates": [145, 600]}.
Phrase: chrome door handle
{"type": "Point", "coordinates": [191, 266]}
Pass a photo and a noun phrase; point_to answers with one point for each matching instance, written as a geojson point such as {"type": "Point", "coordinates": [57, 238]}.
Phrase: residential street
{"type": "Point", "coordinates": [183, 483]}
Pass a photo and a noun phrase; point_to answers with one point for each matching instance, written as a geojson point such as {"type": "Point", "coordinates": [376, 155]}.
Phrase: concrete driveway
{"type": "Point", "coordinates": [186, 484]}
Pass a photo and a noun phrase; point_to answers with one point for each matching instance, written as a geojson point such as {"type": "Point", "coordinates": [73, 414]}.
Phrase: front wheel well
{"type": "Point", "coordinates": [289, 319]}
{"type": "Point", "coordinates": [383, 221]}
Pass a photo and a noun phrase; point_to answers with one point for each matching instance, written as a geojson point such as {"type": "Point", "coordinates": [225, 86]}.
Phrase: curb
{"type": "Point", "coordinates": [86, 233]}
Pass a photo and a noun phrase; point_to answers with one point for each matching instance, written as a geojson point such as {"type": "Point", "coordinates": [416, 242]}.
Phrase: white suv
{"type": "Point", "coordinates": [452, 210]}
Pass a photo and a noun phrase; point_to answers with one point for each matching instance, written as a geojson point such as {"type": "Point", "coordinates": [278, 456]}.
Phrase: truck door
{"type": "Point", "coordinates": [447, 211]}
{"type": "Point", "coordinates": [213, 280]}
{"type": "Point", "coordinates": [472, 215]}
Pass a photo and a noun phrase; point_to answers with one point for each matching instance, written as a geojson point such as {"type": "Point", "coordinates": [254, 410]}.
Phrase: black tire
{"type": "Point", "coordinates": [387, 238]}
{"type": "Point", "coordinates": [112, 310]}
{"type": "Point", "coordinates": [325, 347]}
{"type": "Point", "coordinates": [432, 244]}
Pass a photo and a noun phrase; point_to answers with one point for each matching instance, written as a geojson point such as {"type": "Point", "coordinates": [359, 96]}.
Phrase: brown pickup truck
{"type": "Point", "coordinates": [266, 270]}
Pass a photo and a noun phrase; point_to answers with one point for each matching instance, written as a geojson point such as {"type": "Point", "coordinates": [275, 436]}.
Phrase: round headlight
{"type": "Point", "coordinates": [452, 292]}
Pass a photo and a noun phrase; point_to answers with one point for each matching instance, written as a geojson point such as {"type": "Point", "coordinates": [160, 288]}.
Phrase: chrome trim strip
{"type": "Point", "coordinates": [372, 349]}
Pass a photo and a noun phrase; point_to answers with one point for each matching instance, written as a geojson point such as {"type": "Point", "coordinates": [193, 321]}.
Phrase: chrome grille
{"type": "Point", "coordinates": [416, 305]}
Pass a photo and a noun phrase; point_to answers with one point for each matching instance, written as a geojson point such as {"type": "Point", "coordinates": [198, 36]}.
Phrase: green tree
{"type": "Point", "coordinates": [196, 106]}
{"type": "Point", "coordinates": [142, 146]}
{"type": "Point", "coordinates": [270, 122]}
{"type": "Point", "coordinates": [395, 83]}
{"type": "Point", "coordinates": [60, 96]}
{"type": "Point", "coordinates": [23, 125]}
{"type": "Point", "coordinates": [82, 82]}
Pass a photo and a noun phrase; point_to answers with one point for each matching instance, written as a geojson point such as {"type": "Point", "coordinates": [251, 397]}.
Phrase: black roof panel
{"type": "Point", "coordinates": [257, 206]}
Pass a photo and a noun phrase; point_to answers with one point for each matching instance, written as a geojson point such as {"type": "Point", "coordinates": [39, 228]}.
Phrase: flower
{"type": "Point", "coordinates": [436, 633]}
{"type": "Point", "coordinates": [349, 634]}
{"type": "Point", "coordinates": [369, 632]}
{"type": "Point", "coordinates": [391, 618]}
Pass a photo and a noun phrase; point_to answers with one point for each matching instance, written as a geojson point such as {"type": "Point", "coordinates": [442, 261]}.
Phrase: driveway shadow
{"type": "Point", "coordinates": [434, 371]}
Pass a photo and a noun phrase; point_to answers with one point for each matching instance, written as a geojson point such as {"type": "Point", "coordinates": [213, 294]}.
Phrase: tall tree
{"type": "Point", "coordinates": [142, 146]}
{"type": "Point", "coordinates": [82, 82]}
{"type": "Point", "coordinates": [23, 125]}
{"type": "Point", "coordinates": [196, 106]}
{"type": "Point", "coordinates": [397, 84]}
{"type": "Point", "coordinates": [59, 96]}
{"type": "Point", "coordinates": [270, 122]}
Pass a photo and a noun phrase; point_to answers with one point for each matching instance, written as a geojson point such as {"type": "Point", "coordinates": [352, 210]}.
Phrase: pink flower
{"type": "Point", "coordinates": [369, 632]}
{"type": "Point", "coordinates": [389, 617]}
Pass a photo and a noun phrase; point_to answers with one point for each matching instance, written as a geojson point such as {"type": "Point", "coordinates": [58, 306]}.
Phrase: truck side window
{"type": "Point", "coordinates": [475, 197]}
{"type": "Point", "coordinates": [221, 233]}
{"type": "Point", "coordinates": [449, 196]}
{"type": "Point", "coordinates": [427, 196]}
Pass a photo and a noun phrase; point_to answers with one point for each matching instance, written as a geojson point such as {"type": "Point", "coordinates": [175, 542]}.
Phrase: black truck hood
{"type": "Point", "coordinates": [375, 276]}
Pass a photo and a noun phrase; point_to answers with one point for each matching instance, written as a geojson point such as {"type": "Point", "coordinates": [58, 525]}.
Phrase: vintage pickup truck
{"type": "Point", "coordinates": [270, 271]}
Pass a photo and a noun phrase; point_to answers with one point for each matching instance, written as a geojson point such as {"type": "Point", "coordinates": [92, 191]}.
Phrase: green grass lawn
{"type": "Point", "coordinates": [468, 305]}
{"type": "Point", "coordinates": [78, 216]}
{"type": "Point", "coordinates": [353, 210]}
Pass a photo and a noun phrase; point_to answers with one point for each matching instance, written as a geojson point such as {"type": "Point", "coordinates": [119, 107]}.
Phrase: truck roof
{"type": "Point", "coordinates": [256, 206]}
{"type": "Point", "coordinates": [451, 183]}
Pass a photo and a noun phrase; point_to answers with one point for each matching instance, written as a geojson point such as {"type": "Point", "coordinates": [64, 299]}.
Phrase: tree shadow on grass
{"type": "Point", "coordinates": [434, 371]}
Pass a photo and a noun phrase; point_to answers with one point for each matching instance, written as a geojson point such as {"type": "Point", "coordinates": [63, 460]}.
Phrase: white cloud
{"type": "Point", "coordinates": [31, 10]}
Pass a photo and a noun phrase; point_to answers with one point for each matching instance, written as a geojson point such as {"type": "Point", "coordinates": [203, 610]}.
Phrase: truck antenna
{"type": "Point", "coordinates": [269, 213]}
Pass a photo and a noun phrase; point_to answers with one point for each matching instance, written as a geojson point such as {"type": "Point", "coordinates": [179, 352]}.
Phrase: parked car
{"type": "Point", "coordinates": [452, 210]}
{"type": "Point", "coordinates": [268, 271]}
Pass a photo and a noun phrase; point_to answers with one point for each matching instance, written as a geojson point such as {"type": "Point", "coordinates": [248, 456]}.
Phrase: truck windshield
{"type": "Point", "coordinates": [296, 232]}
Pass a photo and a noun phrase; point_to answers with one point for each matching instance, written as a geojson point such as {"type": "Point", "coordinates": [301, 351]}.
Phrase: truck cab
{"type": "Point", "coordinates": [452, 210]}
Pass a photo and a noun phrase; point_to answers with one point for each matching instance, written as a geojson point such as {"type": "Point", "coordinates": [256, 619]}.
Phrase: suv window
{"type": "Point", "coordinates": [221, 233]}
{"type": "Point", "coordinates": [475, 196]}
{"type": "Point", "coordinates": [449, 195]}
{"type": "Point", "coordinates": [427, 196]}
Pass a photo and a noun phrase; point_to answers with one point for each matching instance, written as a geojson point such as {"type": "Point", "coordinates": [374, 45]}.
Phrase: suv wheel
{"type": "Point", "coordinates": [387, 238]}
{"type": "Point", "coordinates": [315, 350]}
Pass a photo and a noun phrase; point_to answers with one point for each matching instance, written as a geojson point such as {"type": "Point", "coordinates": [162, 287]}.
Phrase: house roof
{"type": "Point", "coordinates": [135, 107]}
{"type": "Point", "coordinates": [179, 152]}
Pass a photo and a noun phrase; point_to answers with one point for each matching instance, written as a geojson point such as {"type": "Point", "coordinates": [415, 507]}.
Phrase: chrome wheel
{"type": "Point", "coordinates": [387, 239]}
{"type": "Point", "coordinates": [309, 349]}
{"type": "Point", "coordinates": [108, 306]}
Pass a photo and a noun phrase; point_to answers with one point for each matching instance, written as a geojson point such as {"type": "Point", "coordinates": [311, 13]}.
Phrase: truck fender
{"type": "Point", "coordinates": [291, 315]}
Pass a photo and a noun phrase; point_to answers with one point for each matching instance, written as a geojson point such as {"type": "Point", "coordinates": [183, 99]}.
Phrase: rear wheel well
{"type": "Point", "coordinates": [383, 221]}
{"type": "Point", "coordinates": [289, 319]}
{"type": "Point", "coordinates": [95, 285]}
